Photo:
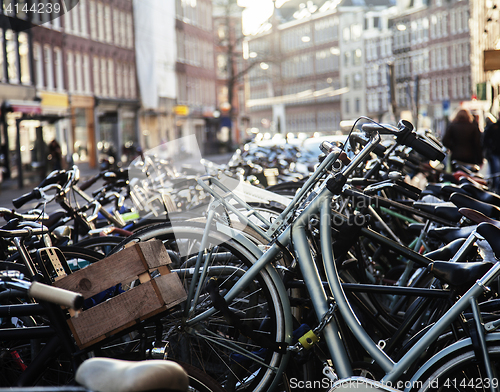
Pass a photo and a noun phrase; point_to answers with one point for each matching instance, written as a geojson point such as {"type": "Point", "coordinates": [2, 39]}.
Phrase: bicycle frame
{"type": "Point", "coordinates": [296, 235]}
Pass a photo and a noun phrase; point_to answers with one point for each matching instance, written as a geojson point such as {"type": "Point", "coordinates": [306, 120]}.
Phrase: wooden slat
{"type": "Point", "coordinates": [106, 273]}
{"type": "Point", "coordinates": [171, 289]}
{"type": "Point", "coordinates": [154, 253]}
{"type": "Point", "coordinates": [122, 310]}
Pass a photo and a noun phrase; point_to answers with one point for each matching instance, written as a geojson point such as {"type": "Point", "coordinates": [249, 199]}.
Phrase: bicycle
{"type": "Point", "coordinates": [208, 317]}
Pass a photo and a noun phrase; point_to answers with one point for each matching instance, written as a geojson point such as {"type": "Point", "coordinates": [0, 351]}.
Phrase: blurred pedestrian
{"type": "Point", "coordinates": [55, 155]}
{"type": "Point", "coordinates": [491, 143]}
{"type": "Point", "coordinates": [463, 138]}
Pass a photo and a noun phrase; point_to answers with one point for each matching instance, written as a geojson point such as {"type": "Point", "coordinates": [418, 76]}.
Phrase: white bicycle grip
{"type": "Point", "coordinates": [56, 295]}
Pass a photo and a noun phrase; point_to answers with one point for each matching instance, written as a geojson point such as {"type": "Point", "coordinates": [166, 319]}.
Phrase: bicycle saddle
{"type": "Point", "coordinates": [448, 234]}
{"type": "Point", "coordinates": [491, 234]}
{"type": "Point", "coordinates": [481, 194]}
{"type": "Point", "coordinates": [445, 210]}
{"type": "Point", "coordinates": [487, 209]}
{"type": "Point", "coordinates": [459, 274]}
{"type": "Point", "coordinates": [114, 375]}
{"type": "Point", "coordinates": [446, 252]}
{"type": "Point", "coordinates": [478, 217]}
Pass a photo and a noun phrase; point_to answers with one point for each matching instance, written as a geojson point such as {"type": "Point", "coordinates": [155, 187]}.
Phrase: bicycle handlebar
{"type": "Point", "coordinates": [22, 200]}
{"type": "Point", "coordinates": [56, 295]}
{"type": "Point", "coordinates": [405, 135]}
{"type": "Point", "coordinates": [22, 232]}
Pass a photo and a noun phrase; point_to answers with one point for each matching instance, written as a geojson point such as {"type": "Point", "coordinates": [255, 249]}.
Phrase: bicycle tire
{"type": "Point", "coordinates": [80, 257]}
{"type": "Point", "coordinates": [246, 365]}
{"type": "Point", "coordinates": [459, 370]}
{"type": "Point", "coordinates": [200, 381]}
{"type": "Point", "coordinates": [102, 245]}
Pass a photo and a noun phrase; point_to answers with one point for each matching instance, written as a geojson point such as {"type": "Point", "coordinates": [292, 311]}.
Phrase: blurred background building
{"type": "Point", "coordinates": [106, 77]}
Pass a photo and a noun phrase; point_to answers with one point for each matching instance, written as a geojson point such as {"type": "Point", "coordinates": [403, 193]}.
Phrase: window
{"type": "Point", "coordinates": [133, 91]}
{"type": "Point", "coordinates": [100, 21]}
{"type": "Point", "coordinates": [126, 84]}
{"type": "Point", "coordinates": [357, 81]}
{"type": "Point", "coordinates": [107, 23]}
{"type": "Point", "coordinates": [347, 57]}
{"type": "Point", "coordinates": [83, 16]}
{"type": "Point", "coordinates": [37, 56]}
{"type": "Point", "coordinates": [92, 19]}
{"type": "Point", "coordinates": [67, 22]}
{"type": "Point", "coordinates": [116, 27]}
{"type": "Point", "coordinates": [12, 50]}
{"type": "Point", "coordinates": [123, 27]}
{"type": "Point", "coordinates": [49, 67]}
{"type": "Point", "coordinates": [357, 105]}
{"type": "Point", "coordinates": [24, 58]}
{"type": "Point", "coordinates": [58, 65]}
{"type": "Point", "coordinates": [346, 34]}
{"type": "Point", "coordinates": [79, 72]}
{"type": "Point", "coordinates": [56, 20]}
{"type": "Point", "coordinates": [130, 31]}
{"type": "Point", "coordinates": [111, 77]}
{"type": "Point", "coordinates": [347, 108]}
{"type": "Point", "coordinates": [70, 65]}
{"type": "Point", "coordinates": [119, 79]}
{"type": "Point", "coordinates": [104, 77]}
{"type": "Point", "coordinates": [86, 74]}
{"type": "Point", "coordinates": [75, 19]}
{"type": "Point", "coordinates": [357, 57]}
{"type": "Point", "coordinates": [95, 67]}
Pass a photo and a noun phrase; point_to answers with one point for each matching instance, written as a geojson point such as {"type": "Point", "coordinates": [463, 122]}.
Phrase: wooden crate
{"type": "Point", "coordinates": [151, 297]}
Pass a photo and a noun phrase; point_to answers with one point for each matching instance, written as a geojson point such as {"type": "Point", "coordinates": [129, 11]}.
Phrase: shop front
{"type": "Point", "coordinates": [117, 131]}
{"type": "Point", "coordinates": [83, 130]}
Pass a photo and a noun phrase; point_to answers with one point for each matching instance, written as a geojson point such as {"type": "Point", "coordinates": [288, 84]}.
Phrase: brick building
{"type": "Point", "coordinates": [81, 63]}
{"type": "Point", "coordinates": [195, 70]}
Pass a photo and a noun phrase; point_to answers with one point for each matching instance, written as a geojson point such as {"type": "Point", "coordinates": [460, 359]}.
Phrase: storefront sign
{"type": "Point", "coordinates": [181, 110]}
{"type": "Point", "coordinates": [53, 100]}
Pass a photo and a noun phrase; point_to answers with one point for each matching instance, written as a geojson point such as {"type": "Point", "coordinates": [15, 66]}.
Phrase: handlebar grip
{"type": "Point", "coordinates": [425, 148]}
{"type": "Point", "coordinates": [56, 295]}
{"type": "Point", "coordinates": [58, 178]}
{"type": "Point", "coordinates": [91, 181]}
{"type": "Point", "coordinates": [383, 129]}
{"type": "Point", "coordinates": [22, 200]}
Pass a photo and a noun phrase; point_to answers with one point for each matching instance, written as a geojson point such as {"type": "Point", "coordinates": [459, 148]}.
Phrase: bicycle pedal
{"type": "Point", "coordinates": [308, 339]}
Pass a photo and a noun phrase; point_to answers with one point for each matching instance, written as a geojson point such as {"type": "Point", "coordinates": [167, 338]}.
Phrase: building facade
{"type": "Point", "coordinates": [230, 70]}
{"type": "Point", "coordinates": [19, 104]}
{"type": "Point", "coordinates": [432, 60]}
{"type": "Point", "coordinates": [309, 71]}
{"type": "Point", "coordinates": [195, 71]}
{"type": "Point", "coordinates": [80, 66]}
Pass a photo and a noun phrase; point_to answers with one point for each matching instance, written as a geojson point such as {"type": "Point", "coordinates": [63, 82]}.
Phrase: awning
{"type": "Point", "coordinates": [26, 107]}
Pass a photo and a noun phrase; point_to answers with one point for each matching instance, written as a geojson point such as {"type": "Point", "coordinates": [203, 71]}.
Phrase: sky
{"type": "Point", "coordinates": [257, 12]}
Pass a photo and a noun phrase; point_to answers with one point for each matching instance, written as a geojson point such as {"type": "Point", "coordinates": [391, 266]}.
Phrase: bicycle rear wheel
{"type": "Point", "coordinates": [235, 346]}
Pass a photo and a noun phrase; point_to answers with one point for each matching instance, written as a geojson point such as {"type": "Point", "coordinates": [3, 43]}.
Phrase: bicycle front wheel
{"type": "Point", "coordinates": [461, 371]}
{"type": "Point", "coordinates": [236, 345]}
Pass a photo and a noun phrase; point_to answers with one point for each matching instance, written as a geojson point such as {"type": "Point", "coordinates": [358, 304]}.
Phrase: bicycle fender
{"type": "Point", "coordinates": [492, 337]}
